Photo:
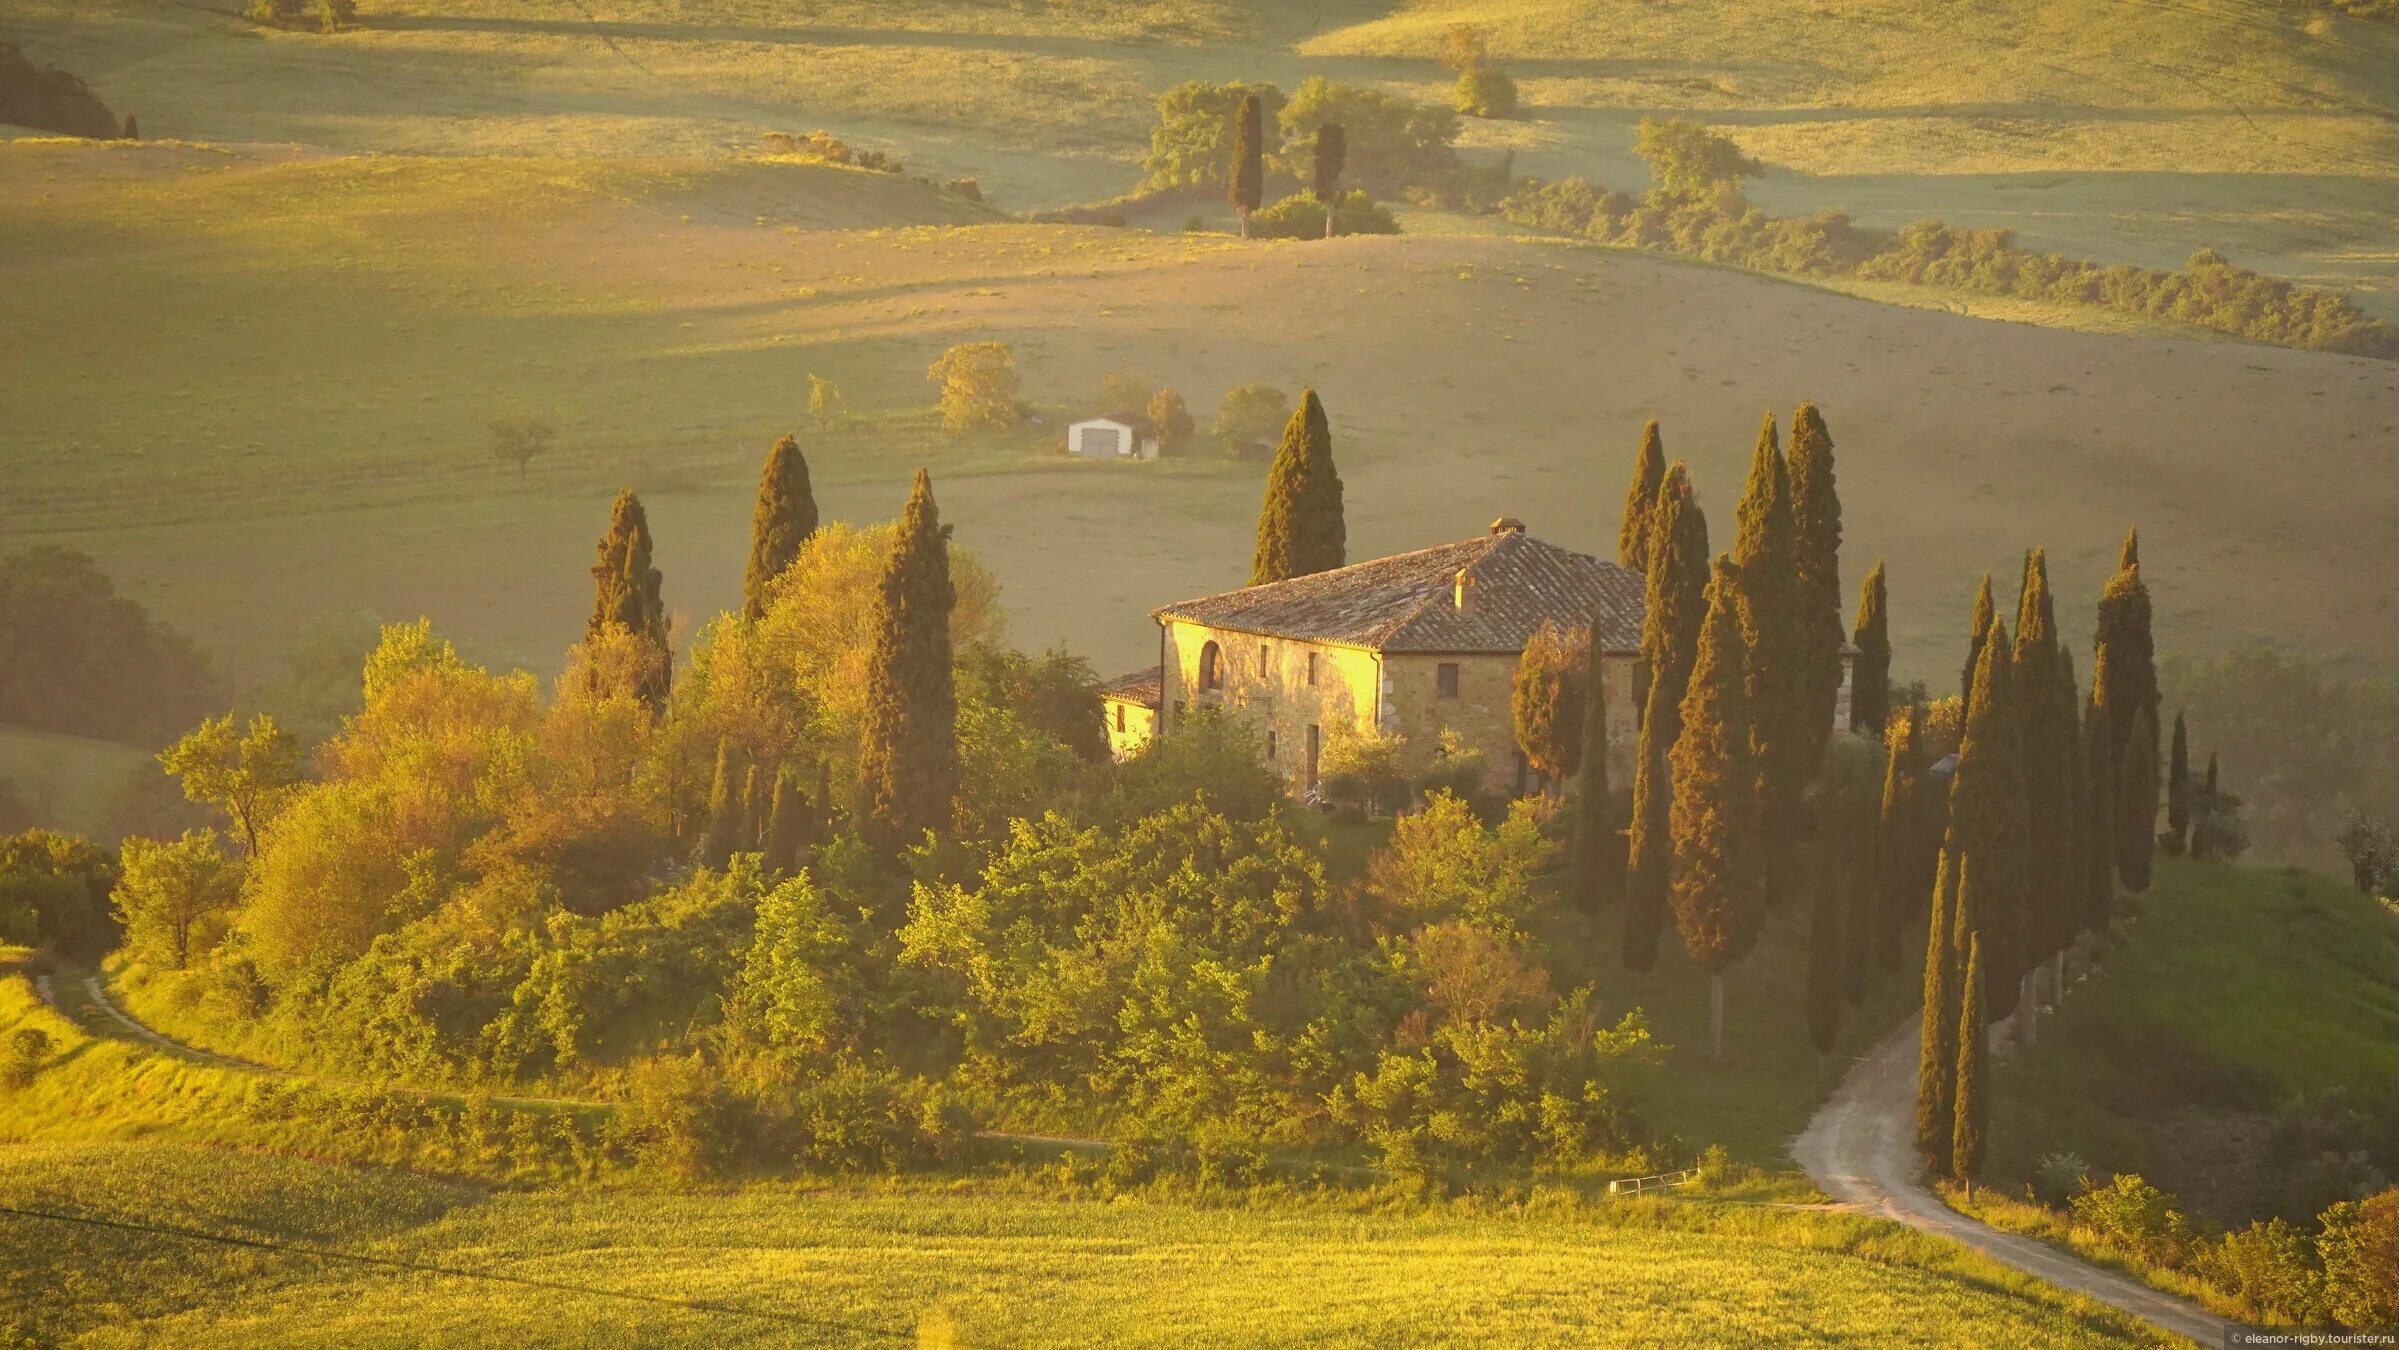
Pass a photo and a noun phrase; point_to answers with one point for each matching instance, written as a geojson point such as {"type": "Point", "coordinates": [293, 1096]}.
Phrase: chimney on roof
{"type": "Point", "coordinates": [1464, 590]}
{"type": "Point", "coordinates": [1507, 525]}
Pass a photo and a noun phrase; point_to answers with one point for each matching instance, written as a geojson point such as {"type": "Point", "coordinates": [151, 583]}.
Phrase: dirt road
{"type": "Point", "coordinates": [1861, 1149]}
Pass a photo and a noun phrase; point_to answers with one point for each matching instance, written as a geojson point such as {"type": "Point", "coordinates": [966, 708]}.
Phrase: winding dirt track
{"type": "Point", "coordinates": [1861, 1150]}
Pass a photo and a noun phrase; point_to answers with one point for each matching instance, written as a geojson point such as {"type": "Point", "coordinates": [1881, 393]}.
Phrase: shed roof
{"type": "Point", "coordinates": [1407, 602]}
{"type": "Point", "coordinates": [1143, 687]}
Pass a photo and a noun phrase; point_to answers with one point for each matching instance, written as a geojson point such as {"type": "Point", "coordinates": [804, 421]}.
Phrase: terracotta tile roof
{"type": "Point", "coordinates": [1407, 603]}
{"type": "Point", "coordinates": [1144, 687]}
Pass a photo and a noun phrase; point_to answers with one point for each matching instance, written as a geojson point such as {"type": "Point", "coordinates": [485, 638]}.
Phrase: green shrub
{"type": "Point", "coordinates": [2270, 1268]}
{"type": "Point", "coordinates": [684, 1119]}
{"type": "Point", "coordinates": [22, 1059]}
{"type": "Point", "coordinates": [1301, 216]}
{"type": "Point", "coordinates": [2137, 1217]}
{"type": "Point", "coordinates": [1485, 91]}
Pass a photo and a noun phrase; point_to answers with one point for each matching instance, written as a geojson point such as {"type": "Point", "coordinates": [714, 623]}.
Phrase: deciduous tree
{"type": "Point", "coordinates": [250, 776]}
{"type": "Point", "coordinates": [978, 386]}
{"type": "Point", "coordinates": [1547, 702]}
{"type": "Point", "coordinates": [167, 893]}
{"type": "Point", "coordinates": [1168, 413]}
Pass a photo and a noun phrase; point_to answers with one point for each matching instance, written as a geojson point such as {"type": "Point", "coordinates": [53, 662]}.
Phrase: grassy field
{"type": "Point", "coordinates": [278, 360]}
{"type": "Point", "coordinates": [964, 1263]}
{"type": "Point", "coordinates": [2239, 990]}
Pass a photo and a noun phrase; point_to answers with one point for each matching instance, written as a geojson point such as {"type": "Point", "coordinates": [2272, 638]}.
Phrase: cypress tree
{"type": "Point", "coordinates": [2097, 850]}
{"type": "Point", "coordinates": [1870, 676]}
{"type": "Point", "coordinates": [779, 844]}
{"type": "Point", "coordinates": [1675, 607]}
{"type": "Point", "coordinates": [1937, 1037]}
{"type": "Point", "coordinates": [782, 521]}
{"type": "Point", "coordinates": [626, 591]}
{"type": "Point", "coordinates": [1765, 578]}
{"type": "Point", "coordinates": [1300, 526]}
{"type": "Point", "coordinates": [1331, 154]}
{"type": "Point", "coordinates": [2130, 663]}
{"type": "Point", "coordinates": [1898, 879]}
{"type": "Point", "coordinates": [1641, 500]}
{"type": "Point", "coordinates": [1816, 545]}
{"type": "Point", "coordinates": [2050, 746]}
{"type": "Point", "coordinates": [1987, 819]}
{"type": "Point", "coordinates": [1248, 187]}
{"type": "Point", "coordinates": [1972, 1109]}
{"type": "Point", "coordinates": [908, 743]}
{"type": "Point", "coordinates": [2136, 794]}
{"type": "Point", "coordinates": [1985, 613]}
{"type": "Point", "coordinates": [755, 804]}
{"type": "Point", "coordinates": [1825, 976]}
{"type": "Point", "coordinates": [2178, 788]}
{"type": "Point", "coordinates": [1717, 894]}
{"type": "Point", "coordinates": [723, 836]}
{"type": "Point", "coordinates": [1599, 843]}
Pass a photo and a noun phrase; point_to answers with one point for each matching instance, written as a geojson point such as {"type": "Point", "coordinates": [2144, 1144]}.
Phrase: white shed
{"type": "Point", "coordinates": [1112, 436]}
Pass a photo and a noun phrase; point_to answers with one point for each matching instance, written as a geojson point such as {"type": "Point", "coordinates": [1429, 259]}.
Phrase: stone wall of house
{"type": "Point", "coordinates": [1267, 682]}
{"type": "Point", "coordinates": [1270, 683]}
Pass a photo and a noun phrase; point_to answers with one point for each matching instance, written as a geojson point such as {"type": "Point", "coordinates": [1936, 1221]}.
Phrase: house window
{"type": "Point", "coordinates": [1265, 662]}
{"type": "Point", "coordinates": [1211, 669]}
{"type": "Point", "coordinates": [1315, 752]}
{"type": "Point", "coordinates": [1270, 746]}
{"type": "Point", "coordinates": [1311, 670]}
{"type": "Point", "coordinates": [1120, 718]}
{"type": "Point", "coordinates": [1445, 679]}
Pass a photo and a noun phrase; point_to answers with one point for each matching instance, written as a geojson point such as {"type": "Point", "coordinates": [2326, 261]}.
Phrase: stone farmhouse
{"type": "Point", "coordinates": [1414, 644]}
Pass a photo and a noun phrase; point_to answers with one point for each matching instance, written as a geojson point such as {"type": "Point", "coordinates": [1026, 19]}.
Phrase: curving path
{"type": "Point", "coordinates": [1861, 1149]}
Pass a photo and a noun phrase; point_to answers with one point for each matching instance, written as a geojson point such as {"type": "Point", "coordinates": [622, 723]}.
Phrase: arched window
{"type": "Point", "coordinates": [1211, 669]}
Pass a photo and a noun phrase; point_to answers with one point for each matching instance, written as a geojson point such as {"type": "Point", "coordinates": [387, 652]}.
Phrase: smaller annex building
{"type": "Point", "coordinates": [1129, 703]}
{"type": "Point", "coordinates": [1120, 435]}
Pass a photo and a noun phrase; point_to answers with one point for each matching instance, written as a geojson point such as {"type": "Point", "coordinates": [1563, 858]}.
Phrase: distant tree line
{"type": "Point", "coordinates": [79, 659]}
{"type": "Point", "coordinates": [1695, 208]}
{"type": "Point", "coordinates": [47, 98]}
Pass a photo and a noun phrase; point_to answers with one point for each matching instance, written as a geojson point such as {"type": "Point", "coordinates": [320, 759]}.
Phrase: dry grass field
{"type": "Point", "coordinates": [469, 209]}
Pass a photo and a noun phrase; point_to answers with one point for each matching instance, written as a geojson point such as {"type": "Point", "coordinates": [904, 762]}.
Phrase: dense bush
{"type": "Point", "coordinates": [49, 99]}
{"type": "Point", "coordinates": [827, 148]}
{"type": "Point", "coordinates": [54, 892]}
{"type": "Point", "coordinates": [325, 15]}
{"type": "Point", "coordinates": [80, 659]}
{"type": "Point", "coordinates": [1696, 209]}
{"type": "Point", "coordinates": [1485, 91]}
{"type": "Point", "coordinates": [1301, 216]}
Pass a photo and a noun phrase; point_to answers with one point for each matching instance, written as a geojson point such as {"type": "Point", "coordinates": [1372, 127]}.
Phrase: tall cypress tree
{"type": "Point", "coordinates": [2129, 655]}
{"type": "Point", "coordinates": [1870, 677]}
{"type": "Point", "coordinates": [1248, 186]}
{"type": "Point", "coordinates": [2178, 787]}
{"type": "Point", "coordinates": [2050, 746]}
{"type": "Point", "coordinates": [1718, 897]}
{"type": "Point", "coordinates": [723, 836]}
{"type": "Point", "coordinates": [1987, 818]}
{"type": "Point", "coordinates": [1331, 155]}
{"type": "Point", "coordinates": [1641, 500]}
{"type": "Point", "coordinates": [1675, 607]}
{"type": "Point", "coordinates": [1937, 1035]}
{"type": "Point", "coordinates": [908, 741]}
{"type": "Point", "coordinates": [755, 804]}
{"type": "Point", "coordinates": [780, 844]}
{"type": "Point", "coordinates": [1548, 703]}
{"type": "Point", "coordinates": [782, 521]}
{"type": "Point", "coordinates": [1301, 529]}
{"type": "Point", "coordinates": [1766, 581]}
{"type": "Point", "coordinates": [1972, 1110]}
{"type": "Point", "coordinates": [1985, 613]}
{"type": "Point", "coordinates": [2097, 851]}
{"type": "Point", "coordinates": [2136, 796]}
{"type": "Point", "coordinates": [1599, 844]}
{"type": "Point", "coordinates": [1816, 547]}
{"type": "Point", "coordinates": [1898, 879]}
{"type": "Point", "coordinates": [626, 592]}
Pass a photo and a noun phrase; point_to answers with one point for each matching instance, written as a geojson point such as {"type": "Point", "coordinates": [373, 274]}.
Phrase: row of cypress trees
{"type": "Point", "coordinates": [907, 767]}
{"type": "Point", "coordinates": [1740, 671]}
{"type": "Point", "coordinates": [2052, 805]}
